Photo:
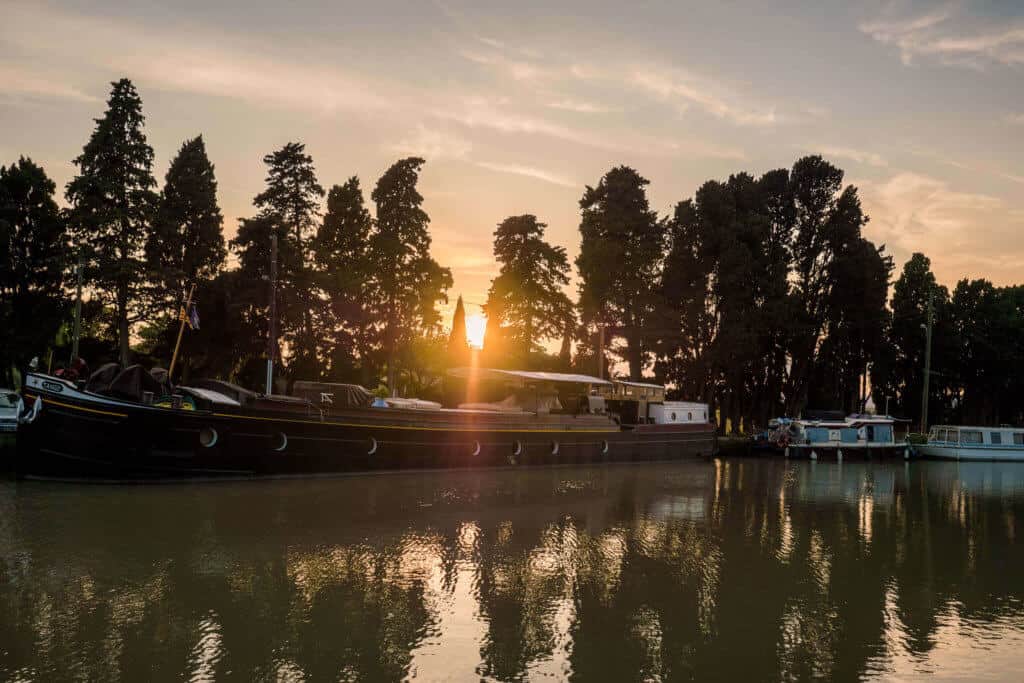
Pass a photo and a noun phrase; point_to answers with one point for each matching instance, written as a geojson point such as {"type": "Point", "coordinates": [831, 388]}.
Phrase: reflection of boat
{"type": "Point", "coordinates": [855, 435]}
{"type": "Point", "coordinates": [961, 442]}
{"type": "Point", "coordinates": [216, 429]}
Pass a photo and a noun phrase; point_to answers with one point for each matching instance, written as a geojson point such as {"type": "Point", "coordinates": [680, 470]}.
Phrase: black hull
{"type": "Point", "coordinates": [75, 438]}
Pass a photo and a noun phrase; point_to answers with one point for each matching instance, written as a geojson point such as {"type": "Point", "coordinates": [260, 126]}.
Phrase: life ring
{"type": "Point", "coordinates": [373, 446]}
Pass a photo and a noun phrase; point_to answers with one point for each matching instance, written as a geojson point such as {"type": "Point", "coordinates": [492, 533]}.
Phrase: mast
{"type": "Point", "coordinates": [272, 336]}
{"type": "Point", "coordinates": [78, 312]}
{"type": "Point", "coordinates": [927, 364]}
{"type": "Point", "coordinates": [181, 330]}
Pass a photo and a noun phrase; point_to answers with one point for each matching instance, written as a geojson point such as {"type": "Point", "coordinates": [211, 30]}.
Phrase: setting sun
{"type": "Point", "coordinates": [476, 324]}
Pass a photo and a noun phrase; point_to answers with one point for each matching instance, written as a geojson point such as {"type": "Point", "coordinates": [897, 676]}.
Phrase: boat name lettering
{"type": "Point", "coordinates": [52, 386]}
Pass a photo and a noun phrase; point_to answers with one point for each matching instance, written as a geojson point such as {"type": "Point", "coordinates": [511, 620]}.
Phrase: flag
{"type": "Point", "coordinates": [193, 317]}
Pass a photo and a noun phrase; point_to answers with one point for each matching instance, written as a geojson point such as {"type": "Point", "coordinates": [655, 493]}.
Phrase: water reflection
{"type": "Point", "coordinates": [703, 570]}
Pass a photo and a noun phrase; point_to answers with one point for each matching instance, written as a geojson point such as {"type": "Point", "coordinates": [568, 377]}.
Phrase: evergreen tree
{"type": "Point", "coordinates": [408, 282]}
{"type": "Point", "coordinates": [113, 202]}
{"type": "Point", "coordinates": [288, 208]}
{"type": "Point", "coordinates": [33, 260]}
{"type": "Point", "coordinates": [526, 297]}
{"type": "Point", "coordinates": [187, 241]}
{"type": "Point", "coordinates": [458, 346]}
{"type": "Point", "coordinates": [620, 255]}
{"type": "Point", "coordinates": [342, 259]}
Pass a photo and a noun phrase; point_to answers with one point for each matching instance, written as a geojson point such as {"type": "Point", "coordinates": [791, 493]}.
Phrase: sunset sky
{"type": "Point", "coordinates": [517, 107]}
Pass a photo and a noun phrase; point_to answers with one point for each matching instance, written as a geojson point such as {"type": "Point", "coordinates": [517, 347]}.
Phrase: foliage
{"type": "Point", "coordinates": [112, 206]}
{"type": "Point", "coordinates": [458, 346]}
{"type": "Point", "coordinates": [407, 283]}
{"type": "Point", "coordinates": [289, 208]}
{"type": "Point", "coordinates": [33, 262]}
{"type": "Point", "coordinates": [620, 255]}
{"type": "Point", "coordinates": [186, 243]}
{"type": "Point", "coordinates": [526, 297]}
{"type": "Point", "coordinates": [344, 267]}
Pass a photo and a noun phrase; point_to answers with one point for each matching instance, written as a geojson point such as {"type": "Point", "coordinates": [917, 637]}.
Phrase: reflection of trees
{"type": "Point", "coordinates": [696, 571]}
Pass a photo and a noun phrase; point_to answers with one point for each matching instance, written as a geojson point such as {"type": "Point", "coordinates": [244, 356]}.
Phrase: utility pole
{"type": "Point", "coordinates": [600, 351]}
{"type": "Point", "coordinates": [78, 312]}
{"type": "Point", "coordinates": [927, 364]}
{"type": "Point", "coordinates": [272, 336]}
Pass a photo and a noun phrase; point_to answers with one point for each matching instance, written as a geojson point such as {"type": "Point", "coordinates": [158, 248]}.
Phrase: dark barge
{"type": "Point", "coordinates": [216, 430]}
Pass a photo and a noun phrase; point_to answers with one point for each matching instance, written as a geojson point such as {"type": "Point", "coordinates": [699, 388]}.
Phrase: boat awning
{"type": "Point", "coordinates": [641, 385]}
{"type": "Point", "coordinates": [522, 376]}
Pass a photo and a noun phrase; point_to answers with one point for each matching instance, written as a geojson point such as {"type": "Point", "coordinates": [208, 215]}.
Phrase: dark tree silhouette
{"type": "Point", "coordinates": [526, 297]}
{"type": "Point", "coordinates": [33, 261]}
{"type": "Point", "coordinates": [458, 346]}
{"type": "Point", "coordinates": [408, 282]}
{"type": "Point", "coordinates": [344, 267]}
{"type": "Point", "coordinates": [620, 256]}
{"type": "Point", "coordinates": [186, 243]}
{"type": "Point", "coordinates": [112, 206]}
{"type": "Point", "coordinates": [288, 207]}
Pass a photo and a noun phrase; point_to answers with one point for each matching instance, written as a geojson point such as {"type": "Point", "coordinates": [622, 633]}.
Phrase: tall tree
{"type": "Point", "coordinates": [620, 255]}
{"type": "Point", "coordinates": [112, 205]}
{"type": "Point", "coordinates": [827, 216]}
{"type": "Point", "coordinates": [901, 377]}
{"type": "Point", "coordinates": [33, 260]}
{"type": "Point", "coordinates": [526, 297]}
{"type": "Point", "coordinates": [342, 259]}
{"type": "Point", "coordinates": [186, 243]}
{"type": "Point", "coordinates": [408, 282]}
{"type": "Point", "coordinates": [289, 208]}
{"type": "Point", "coordinates": [458, 346]}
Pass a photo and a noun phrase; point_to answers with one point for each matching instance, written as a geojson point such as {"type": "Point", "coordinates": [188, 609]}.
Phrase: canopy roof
{"type": "Point", "coordinates": [642, 385]}
{"type": "Point", "coordinates": [522, 377]}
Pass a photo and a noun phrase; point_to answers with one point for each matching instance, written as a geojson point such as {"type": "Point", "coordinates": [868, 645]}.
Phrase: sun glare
{"type": "Point", "coordinates": [476, 324]}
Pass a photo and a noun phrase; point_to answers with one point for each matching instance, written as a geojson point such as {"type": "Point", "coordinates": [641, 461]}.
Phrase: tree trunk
{"type": "Point", "coordinates": [635, 356]}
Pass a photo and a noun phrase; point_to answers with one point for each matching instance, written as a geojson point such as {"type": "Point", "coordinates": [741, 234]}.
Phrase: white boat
{"type": "Point", "coordinates": [969, 442]}
{"type": "Point", "coordinates": [852, 436]}
{"type": "Point", "coordinates": [8, 411]}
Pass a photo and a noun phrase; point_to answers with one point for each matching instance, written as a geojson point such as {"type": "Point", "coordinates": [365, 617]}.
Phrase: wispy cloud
{"type": "Point", "coordinates": [529, 172]}
{"type": "Point", "coordinates": [26, 81]}
{"type": "Point", "coordinates": [582, 106]}
{"type": "Point", "coordinates": [950, 35]}
{"type": "Point", "coordinates": [432, 144]}
{"type": "Point", "coordinates": [858, 155]}
{"type": "Point", "coordinates": [683, 88]}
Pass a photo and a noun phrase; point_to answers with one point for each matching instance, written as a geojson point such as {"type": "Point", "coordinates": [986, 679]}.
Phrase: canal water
{"type": "Point", "coordinates": [733, 569]}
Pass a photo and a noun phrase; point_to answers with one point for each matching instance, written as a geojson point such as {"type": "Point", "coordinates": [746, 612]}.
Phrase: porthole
{"type": "Point", "coordinates": [554, 448]}
{"type": "Point", "coordinates": [517, 447]}
{"type": "Point", "coordinates": [476, 449]}
{"type": "Point", "coordinates": [281, 441]}
{"type": "Point", "coordinates": [373, 446]}
{"type": "Point", "coordinates": [604, 447]}
{"type": "Point", "coordinates": [673, 417]}
{"type": "Point", "coordinates": [208, 437]}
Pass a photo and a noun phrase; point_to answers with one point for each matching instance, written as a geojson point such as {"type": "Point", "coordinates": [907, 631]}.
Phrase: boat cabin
{"type": "Point", "coordinates": [976, 436]}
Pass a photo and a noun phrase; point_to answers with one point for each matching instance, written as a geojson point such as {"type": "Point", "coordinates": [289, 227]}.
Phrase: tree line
{"type": "Point", "coordinates": [760, 295]}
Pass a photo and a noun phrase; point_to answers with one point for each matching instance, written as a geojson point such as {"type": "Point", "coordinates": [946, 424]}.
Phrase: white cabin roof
{"type": "Point", "coordinates": [522, 376]}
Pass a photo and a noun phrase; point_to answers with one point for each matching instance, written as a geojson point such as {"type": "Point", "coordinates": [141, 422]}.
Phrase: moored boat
{"type": "Point", "coordinates": [967, 442]}
{"type": "Point", "coordinates": [851, 436]}
{"type": "Point", "coordinates": [215, 429]}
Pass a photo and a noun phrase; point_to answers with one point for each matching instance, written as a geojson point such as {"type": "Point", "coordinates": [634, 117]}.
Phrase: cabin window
{"type": "Point", "coordinates": [967, 436]}
{"type": "Point", "coordinates": [1018, 438]}
{"type": "Point", "coordinates": [940, 435]}
{"type": "Point", "coordinates": [997, 438]}
{"type": "Point", "coordinates": [953, 436]}
{"type": "Point", "coordinates": [689, 417]}
{"type": "Point", "coordinates": [883, 434]}
{"type": "Point", "coordinates": [817, 434]}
